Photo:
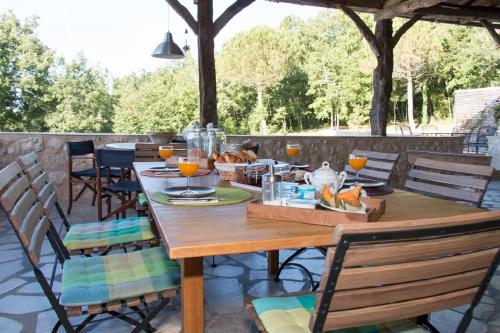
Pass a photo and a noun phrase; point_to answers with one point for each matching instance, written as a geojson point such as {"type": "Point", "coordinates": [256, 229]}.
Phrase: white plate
{"type": "Point", "coordinates": [363, 184]}
{"type": "Point", "coordinates": [362, 210]}
{"type": "Point", "coordinates": [230, 167]}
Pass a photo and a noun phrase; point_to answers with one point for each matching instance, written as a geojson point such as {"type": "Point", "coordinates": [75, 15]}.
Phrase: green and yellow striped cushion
{"type": "Point", "coordinates": [101, 279]}
{"type": "Point", "coordinates": [292, 314]}
{"type": "Point", "coordinates": [143, 201]}
{"type": "Point", "coordinates": [99, 234]}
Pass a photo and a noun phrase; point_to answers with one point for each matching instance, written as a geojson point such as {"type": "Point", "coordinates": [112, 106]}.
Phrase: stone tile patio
{"type": "Point", "coordinates": [24, 308]}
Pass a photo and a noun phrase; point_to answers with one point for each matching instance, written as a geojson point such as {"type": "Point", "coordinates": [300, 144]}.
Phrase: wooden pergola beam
{"type": "Point", "coordinates": [460, 14]}
{"type": "Point", "coordinates": [404, 28]}
{"type": "Point", "coordinates": [362, 5]}
{"type": "Point", "coordinates": [492, 31]}
{"type": "Point", "coordinates": [185, 14]}
{"type": "Point", "coordinates": [363, 28]}
{"type": "Point", "coordinates": [404, 7]}
{"type": "Point", "coordinates": [229, 13]}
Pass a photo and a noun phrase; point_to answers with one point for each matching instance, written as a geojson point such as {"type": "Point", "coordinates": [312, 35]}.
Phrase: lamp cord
{"type": "Point", "coordinates": [168, 19]}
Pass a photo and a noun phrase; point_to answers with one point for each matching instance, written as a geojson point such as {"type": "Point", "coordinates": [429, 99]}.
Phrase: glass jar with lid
{"type": "Point", "coordinates": [215, 141]}
{"type": "Point", "coordinates": [195, 139]}
{"type": "Point", "coordinates": [254, 173]}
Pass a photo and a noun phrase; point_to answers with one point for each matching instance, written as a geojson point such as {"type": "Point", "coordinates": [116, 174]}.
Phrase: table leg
{"type": "Point", "coordinates": [193, 313]}
{"type": "Point", "coordinates": [273, 262]}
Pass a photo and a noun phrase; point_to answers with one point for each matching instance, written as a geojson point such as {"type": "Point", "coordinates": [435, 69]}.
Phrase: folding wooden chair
{"type": "Point", "coordinates": [379, 165]}
{"type": "Point", "coordinates": [381, 274]}
{"type": "Point", "coordinates": [90, 285]}
{"type": "Point", "coordinates": [93, 237]}
{"type": "Point", "coordinates": [147, 152]}
{"type": "Point", "coordinates": [454, 181]}
{"type": "Point", "coordinates": [79, 151]}
{"type": "Point", "coordinates": [125, 189]}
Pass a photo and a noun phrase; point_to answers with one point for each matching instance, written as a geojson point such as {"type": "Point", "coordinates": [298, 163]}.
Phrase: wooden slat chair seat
{"type": "Point", "coordinates": [90, 285]}
{"type": "Point", "coordinates": [149, 152]}
{"type": "Point", "coordinates": [378, 167]}
{"type": "Point", "coordinates": [92, 237]}
{"type": "Point", "coordinates": [382, 275]}
{"type": "Point", "coordinates": [454, 181]}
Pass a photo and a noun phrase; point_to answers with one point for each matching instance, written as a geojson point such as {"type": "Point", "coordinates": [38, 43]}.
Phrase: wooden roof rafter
{"type": "Point", "coordinates": [463, 12]}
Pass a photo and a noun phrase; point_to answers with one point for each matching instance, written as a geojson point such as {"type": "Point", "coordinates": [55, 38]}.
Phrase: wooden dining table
{"type": "Point", "coordinates": [192, 233]}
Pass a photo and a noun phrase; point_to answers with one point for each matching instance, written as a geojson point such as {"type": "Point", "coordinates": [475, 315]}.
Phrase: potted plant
{"type": "Point", "coordinates": [161, 138]}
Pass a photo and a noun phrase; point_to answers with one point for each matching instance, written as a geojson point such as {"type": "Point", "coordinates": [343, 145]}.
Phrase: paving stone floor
{"type": "Point", "coordinates": [24, 308]}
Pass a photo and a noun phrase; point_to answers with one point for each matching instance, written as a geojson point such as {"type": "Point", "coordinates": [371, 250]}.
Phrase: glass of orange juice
{"type": "Point", "coordinates": [293, 150]}
{"type": "Point", "coordinates": [357, 162]}
{"type": "Point", "coordinates": [166, 152]}
{"type": "Point", "coordinates": [188, 167]}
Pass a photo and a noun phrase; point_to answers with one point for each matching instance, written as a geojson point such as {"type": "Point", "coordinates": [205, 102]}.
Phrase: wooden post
{"type": "Point", "coordinates": [382, 44]}
{"type": "Point", "coordinates": [206, 63]}
{"type": "Point", "coordinates": [207, 29]}
{"type": "Point", "coordinates": [382, 78]}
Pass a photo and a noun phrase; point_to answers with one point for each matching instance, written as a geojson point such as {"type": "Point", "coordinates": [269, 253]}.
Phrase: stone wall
{"type": "Point", "coordinates": [336, 149]}
{"type": "Point", "coordinates": [51, 149]}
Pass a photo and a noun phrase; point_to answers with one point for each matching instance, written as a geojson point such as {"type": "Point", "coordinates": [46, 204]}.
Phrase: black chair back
{"type": "Point", "coordinates": [484, 132]}
{"type": "Point", "coordinates": [78, 148]}
{"type": "Point", "coordinates": [109, 158]}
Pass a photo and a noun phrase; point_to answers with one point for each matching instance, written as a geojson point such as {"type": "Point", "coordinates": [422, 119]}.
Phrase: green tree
{"type": "Point", "coordinates": [163, 100]}
{"type": "Point", "coordinates": [25, 65]}
{"type": "Point", "coordinates": [415, 58]}
{"type": "Point", "coordinates": [339, 66]}
{"type": "Point", "coordinates": [234, 104]}
{"type": "Point", "coordinates": [258, 58]}
{"type": "Point", "coordinates": [84, 101]}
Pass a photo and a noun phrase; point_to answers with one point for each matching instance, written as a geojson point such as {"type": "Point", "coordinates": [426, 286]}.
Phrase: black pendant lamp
{"type": "Point", "coordinates": [168, 49]}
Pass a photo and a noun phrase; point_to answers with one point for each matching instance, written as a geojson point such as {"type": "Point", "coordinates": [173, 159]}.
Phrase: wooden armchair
{"type": "Point", "coordinates": [381, 274]}
{"type": "Point", "coordinates": [91, 237]}
{"type": "Point", "coordinates": [379, 166]}
{"type": "Point", "coordinates": [449, 180]}
{"type": "Point", "coordinates": [87, 287]}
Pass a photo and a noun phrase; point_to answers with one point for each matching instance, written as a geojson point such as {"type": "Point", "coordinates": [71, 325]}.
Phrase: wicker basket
{"type": "Point", "coordinates": [227, 171]}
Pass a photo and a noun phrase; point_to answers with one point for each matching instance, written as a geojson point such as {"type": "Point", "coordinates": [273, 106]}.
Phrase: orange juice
{"type": "Point", "coordinates": [188, 169]}
{"type": "Point", "coordinates": [292, 151]}
{"type": "Point", "coordinates": [166, 153]}
{"type": "Point", "coordinates": [357, 163]}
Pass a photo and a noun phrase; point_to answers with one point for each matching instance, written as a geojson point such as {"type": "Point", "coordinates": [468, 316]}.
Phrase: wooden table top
{"type": "Point", "coordinates": [205, 231]}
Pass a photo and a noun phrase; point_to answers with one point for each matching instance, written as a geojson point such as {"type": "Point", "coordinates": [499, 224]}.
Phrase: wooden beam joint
{"type": "Point", "coordinates": [229, 13]}
{"type": "Point", "coordinates": [492, 31]}
{"type": "Point", "coordinates": [185, 14]}
{"type": "Point", "coordinates": [403, 8]}
{"type": "Point", "coordinates": [363, 28]}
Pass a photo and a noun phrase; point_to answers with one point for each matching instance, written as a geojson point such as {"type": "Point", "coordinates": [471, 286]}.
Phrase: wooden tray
{"type": "Point", "coordinates": [319, 216]}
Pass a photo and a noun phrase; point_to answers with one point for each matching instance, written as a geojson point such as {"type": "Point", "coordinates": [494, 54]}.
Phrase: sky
{"type": "Point", "coordinates": [120, 35]}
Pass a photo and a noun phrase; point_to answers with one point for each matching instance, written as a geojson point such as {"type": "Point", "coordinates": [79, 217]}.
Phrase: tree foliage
{"type": "Point", "coordinates": [25, 65]}
{"type": "Point", "coordinates": [301, 75]}
{"type": "Point", "coordinates": [163, 100]}
{"type": "Point", "coordinates": [84, 102]}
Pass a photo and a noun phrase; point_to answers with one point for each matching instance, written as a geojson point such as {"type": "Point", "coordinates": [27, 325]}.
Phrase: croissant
{"type": "Point", "coordinates": [227, 157]}
{"type": "Point", "coordinates": [234, 159]}
{"type": "Point", "coordinates": [243, 156]}
{"type": "Point", "coordinates": [220, 159]}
